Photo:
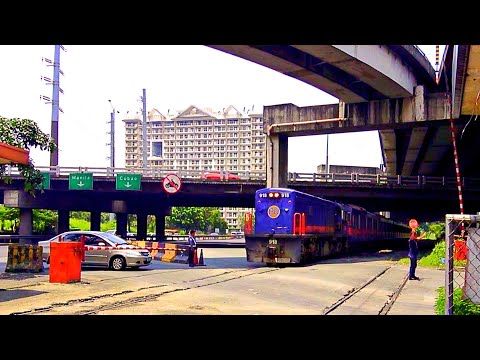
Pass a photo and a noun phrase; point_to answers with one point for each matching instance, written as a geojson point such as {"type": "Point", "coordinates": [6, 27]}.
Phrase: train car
{"type": "Point", "coordinates": [292, 227]}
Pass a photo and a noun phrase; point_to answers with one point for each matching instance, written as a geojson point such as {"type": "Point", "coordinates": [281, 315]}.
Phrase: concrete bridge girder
{"type": "Point", "coordinates": [440, 145]}
{"type": "Point", "coordinates": [351, 73]}
{"type": "Point", "coordinates": [292, 120]}
{"type": "Point", "coordinates": [376, 65]}
{"type": "Point", "coordinates": [403, 124]}
{"type": "Point", "coordinates": [288, 68]}
{"type": "Point", "coordinates": [417, 139]}
{"type": "Point", "coordinates": [389, 146]}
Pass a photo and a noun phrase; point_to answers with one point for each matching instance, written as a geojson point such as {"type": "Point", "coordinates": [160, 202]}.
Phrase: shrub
{"type": "Point", "coordinates": [460, 306]}
{"type": "Point", "coordinates": [436, 257]}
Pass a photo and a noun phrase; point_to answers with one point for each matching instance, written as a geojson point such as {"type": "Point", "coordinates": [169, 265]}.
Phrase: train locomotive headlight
{"type": "Point", "coordinates": [275, 195]}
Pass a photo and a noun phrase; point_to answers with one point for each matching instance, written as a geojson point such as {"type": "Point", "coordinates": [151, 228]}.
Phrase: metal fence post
{"type": "Point", "coordinates": [449, 264]}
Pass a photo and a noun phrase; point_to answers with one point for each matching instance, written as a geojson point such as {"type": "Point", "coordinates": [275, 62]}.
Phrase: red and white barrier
{"type": "Point", "coordinates": [149, 248]}
{"type": "Point", "coordinates": [166, 253]}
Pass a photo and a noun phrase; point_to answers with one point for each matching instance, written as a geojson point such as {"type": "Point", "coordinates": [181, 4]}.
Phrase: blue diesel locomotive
{"type": "Point", "coordinates": [295, 227]}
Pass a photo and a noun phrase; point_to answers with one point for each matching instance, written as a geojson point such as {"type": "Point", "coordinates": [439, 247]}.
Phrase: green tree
{"type": "Point", "coordinates": [204, 219]}
{"type": "Point", "coordinates": [25, 134]}
{"type": "Point", "coordinates": [213, 220]}
{"type": "Point", "coordinates": [437, 230]}
{"type": "Point", "coordinates": [151, 224]}
{"type": "Point", "coordinates": [12, 215]}
{"type": "Point", "coordinates": [104, 217]}
{"type": "Point", "coordinates": [131, 222]}
{"type": "Point", "coordinates": [81, 215]}
{"type": "Point", "coordinates": [186, 218]}
{"type": "Point", "coordinates": [44, 220]}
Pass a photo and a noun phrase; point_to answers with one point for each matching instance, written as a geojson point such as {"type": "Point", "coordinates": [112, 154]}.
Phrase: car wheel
{"type": "Point", "coordinates": [118, 263]}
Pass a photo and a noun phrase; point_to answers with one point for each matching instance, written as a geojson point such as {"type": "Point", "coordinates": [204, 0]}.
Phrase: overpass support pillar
{"type": "Point", "coordinates": [277, 160]}
{"type": "Point", "coordinates": [420, 108]}
{"type": "Point", "coordinates": [26, 221]}
{"type": "Point", "coordinates": [122, 224]}
{"type": "Point", "coordinates": [95, 220]}
{"type": "Point", "coordinates": [63, 220]}
{"type": "Point", "coordinates": [142, 226]}
{"type": "Point", "coordinates": [160, 227]}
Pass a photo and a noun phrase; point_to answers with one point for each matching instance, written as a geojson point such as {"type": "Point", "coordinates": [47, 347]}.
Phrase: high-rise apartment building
{"type": "Point", "coordinates": [200, 139]}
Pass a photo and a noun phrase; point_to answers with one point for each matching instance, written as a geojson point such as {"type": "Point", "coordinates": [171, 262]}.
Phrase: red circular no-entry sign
{"type": "Point", "coordinates": [171, 183]}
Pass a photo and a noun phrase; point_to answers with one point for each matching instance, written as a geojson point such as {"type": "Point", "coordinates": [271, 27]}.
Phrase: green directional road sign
{"type": "Point", "coordinates": [80, 181]}
{"type": "Point", "coordinates": [46, 180]}
{"type": "Point", "coordinates": [128, 181]}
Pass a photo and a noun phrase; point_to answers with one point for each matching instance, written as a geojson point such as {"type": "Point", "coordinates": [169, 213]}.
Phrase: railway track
{"type": "Point", "coordinates": [130, 297]}
{"type": "Point", "coordinates": [333, 287]}
{"type": "Point", "coordinates": [365, 287]}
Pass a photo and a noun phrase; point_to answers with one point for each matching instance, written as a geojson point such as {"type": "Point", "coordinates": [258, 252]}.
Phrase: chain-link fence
{"type": "Point", "coordinates": [462, 259]}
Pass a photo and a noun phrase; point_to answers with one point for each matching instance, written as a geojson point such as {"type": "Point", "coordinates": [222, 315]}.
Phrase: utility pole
{"type": "Point", "coordinates": [112, 144]}
{"type": "Point", "coordinates": [327, 170]}
{"type": "Point", "coordinates": [55, 100]}
{"type": "Point", "coordinates": [112, 135]}
{"type": "Point", "coordinates": [144, 128]}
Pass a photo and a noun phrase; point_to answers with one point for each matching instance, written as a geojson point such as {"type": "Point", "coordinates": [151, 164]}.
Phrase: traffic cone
{"type": "Point", "coordinates": [200, 261]}
{"type": "Point", "coordinates": [195, 258]}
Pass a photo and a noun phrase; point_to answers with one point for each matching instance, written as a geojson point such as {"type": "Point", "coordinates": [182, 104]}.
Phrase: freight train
{"type": "Point", "coordinates": [292, 227]}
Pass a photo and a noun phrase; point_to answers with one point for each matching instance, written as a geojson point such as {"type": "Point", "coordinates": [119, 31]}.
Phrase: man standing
{"type": "Point", "coordinates": [413, 251]}
{"type": "Point", "coordinates": [192, 246]}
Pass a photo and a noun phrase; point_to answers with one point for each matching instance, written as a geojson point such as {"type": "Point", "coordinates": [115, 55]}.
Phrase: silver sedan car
{"type": "Point", "coordinates": [114, 258]}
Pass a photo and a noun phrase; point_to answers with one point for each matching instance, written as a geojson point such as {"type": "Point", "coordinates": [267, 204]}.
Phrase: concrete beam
{"type": "Point", "coordinates": [289, 68]}
{"type": "Point", "coordinates": [417, 138]}
{"type": "Point", "coordinates": [351, 73]}
{"type": "Point", "coordinates": [292, 120]}
{"type": "Point", "coordinates": [375, 65]}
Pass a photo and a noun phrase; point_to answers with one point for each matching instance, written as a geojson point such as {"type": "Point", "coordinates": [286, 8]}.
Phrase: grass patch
{"type": "Point", "coordinates": [460, 306]}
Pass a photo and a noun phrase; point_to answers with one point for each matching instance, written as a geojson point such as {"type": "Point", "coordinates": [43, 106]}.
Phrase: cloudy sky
{"type": "Point", "coordinates": [174, 76]}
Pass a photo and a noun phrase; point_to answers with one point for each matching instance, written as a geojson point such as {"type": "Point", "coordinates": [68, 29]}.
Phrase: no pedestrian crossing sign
{"type": "Point", "coordinates": [128, 181]}
{"type": "Point", "coordinates": [80, 181]}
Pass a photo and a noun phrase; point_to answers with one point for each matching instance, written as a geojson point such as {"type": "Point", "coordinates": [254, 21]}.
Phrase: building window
{"type": "Point", "coordinates": [157, 149]}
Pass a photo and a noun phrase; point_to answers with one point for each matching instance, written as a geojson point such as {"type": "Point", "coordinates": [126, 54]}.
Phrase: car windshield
{"type": "Point", "coordinates": [115, 239]}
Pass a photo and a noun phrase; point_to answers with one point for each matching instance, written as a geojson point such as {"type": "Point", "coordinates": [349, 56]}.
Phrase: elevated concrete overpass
{"type": "Point", "coordinates": [433, 197]}
{"type": "Point", "coordinates": [351, 73]}
{"type": "Point", "coordinates": [389, 88]}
